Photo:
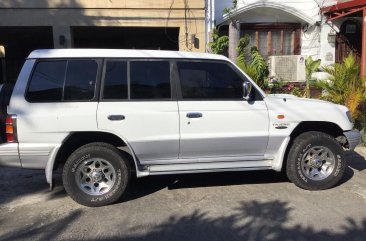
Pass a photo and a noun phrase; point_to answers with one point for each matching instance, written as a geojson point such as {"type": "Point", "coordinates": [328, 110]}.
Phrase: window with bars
{"type": "Point", "coordinates": [274, 39]}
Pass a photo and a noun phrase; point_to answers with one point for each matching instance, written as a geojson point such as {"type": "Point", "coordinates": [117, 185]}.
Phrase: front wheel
{"type": "Point", "coordinates": [315, 161]}
{"type": "Point", "coordinates": [96, 174]}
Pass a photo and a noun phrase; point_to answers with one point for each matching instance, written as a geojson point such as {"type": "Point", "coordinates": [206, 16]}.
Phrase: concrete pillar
{"type": "Point", "coordinates": [363, 49]}
{"type": "Point", "coordinates": [234, 35]}
{"type": "Point", "coordinates": [61, 37]}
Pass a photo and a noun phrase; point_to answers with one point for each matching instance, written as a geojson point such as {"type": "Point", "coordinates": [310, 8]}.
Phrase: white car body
{"type": "Point", "coordinates": [231, 135]}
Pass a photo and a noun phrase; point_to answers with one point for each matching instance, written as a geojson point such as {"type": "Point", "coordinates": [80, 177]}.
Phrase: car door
{"type": "Point", "coordinates": [137, 105]}
{"type": "Point", "coordinates": [215, 120]}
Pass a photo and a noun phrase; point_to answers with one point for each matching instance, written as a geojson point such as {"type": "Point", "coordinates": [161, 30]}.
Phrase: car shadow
{"type": "Point", "coordinates": [355, 160]}
{"type": "Point", "coordinates": [145, 186]}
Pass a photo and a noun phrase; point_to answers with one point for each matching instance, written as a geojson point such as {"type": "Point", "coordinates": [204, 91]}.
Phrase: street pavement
{"type": "Point", "coordinates": [245, 206]}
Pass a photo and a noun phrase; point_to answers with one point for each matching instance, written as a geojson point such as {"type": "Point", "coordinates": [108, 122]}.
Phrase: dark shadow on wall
{"type": "Point", "coordinates": [85, 30]}
{"type": "Point", "coordinates": [20, 41]}
{"type": "Point", "coordinates": [252, 221]}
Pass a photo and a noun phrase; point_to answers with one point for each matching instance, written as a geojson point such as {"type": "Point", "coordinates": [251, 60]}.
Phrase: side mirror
{"type": "Point", "coordinates": [247, 90]}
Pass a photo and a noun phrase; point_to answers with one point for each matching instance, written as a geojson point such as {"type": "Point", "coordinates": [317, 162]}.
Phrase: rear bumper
{"type": "Point", "coordinates": [9, 155]}
{"type": "Point", "coordinates": [353, 138]}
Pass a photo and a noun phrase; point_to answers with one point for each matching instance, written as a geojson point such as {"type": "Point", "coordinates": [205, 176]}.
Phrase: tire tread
{"type": "Point", "coordinates": [300, 142]}
{"type": "Point", "coordinates": [80, 197]}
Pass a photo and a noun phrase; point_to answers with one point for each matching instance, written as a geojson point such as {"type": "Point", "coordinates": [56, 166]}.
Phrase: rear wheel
{"type": "Point", "coordinates": [315, 161]}
{"type": "Point", "coordinates": [96, 174]}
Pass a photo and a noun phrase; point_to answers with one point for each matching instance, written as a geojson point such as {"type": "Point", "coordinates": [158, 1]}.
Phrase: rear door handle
{"type": "Point", "coordinates": [194, 115]}
{"type": "Point", "coordinates": [116, 117]}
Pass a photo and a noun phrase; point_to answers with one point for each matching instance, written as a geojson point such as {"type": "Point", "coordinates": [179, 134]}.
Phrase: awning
{"type": "Point", "coordinates": [342, 9]}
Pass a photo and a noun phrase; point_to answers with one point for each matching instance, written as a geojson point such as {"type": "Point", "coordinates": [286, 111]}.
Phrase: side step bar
{"type": "Point", "coordinates": [209, 167]}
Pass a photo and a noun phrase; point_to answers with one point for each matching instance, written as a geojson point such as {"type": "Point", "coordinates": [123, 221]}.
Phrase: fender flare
{"type": "Point", "coordinates": [52, 157]}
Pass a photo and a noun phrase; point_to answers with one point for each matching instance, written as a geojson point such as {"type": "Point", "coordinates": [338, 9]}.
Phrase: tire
{"type": "Point", "coordinates": [315, 161]}
{"type": "Point", "coordinates": [96, 174]}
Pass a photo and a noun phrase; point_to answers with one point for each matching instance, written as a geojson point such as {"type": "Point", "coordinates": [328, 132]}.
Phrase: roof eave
{"type": "Point", "coordinates": [343, 6]}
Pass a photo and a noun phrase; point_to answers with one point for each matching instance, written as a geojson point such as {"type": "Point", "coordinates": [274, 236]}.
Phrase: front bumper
{"type": "Point", "coordinates": [9, 155]}
{"type": "Point", "coordinates": [353, 138]}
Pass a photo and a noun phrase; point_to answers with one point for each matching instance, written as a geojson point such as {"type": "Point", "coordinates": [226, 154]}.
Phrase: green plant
{"type": "Point", "coordinates": [275, 87]}
{"type": "Point", "coordinates": [242, 46]}
{"type": "Point", "coordinates": [311, 66]}
{"type": "Point", "coordinates": [219, 43]}
{"type": "Point", "coordinates": [346, 87]}
{"type": "Point", "coordinates": [257, 68]}
{"type": "Point", "coordinates": [297, 92]}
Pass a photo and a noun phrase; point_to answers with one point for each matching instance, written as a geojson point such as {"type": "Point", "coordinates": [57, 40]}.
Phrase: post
{"type": "Point", "coordinates": [234, 35]}
{"type": "Point", "coordinates": [363, 49]}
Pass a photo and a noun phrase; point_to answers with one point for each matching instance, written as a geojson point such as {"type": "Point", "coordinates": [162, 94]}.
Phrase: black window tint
{"type": "Point", "coordinates": [150, 79]}
{"type": "Point", "coordinates": [80, 80]}
{"type": "Point", "coordinates": [209, 80]}
{"type": "Point", "coordinates": [47, 82]}
{"type": "Point", "coordinates": [115, 80]}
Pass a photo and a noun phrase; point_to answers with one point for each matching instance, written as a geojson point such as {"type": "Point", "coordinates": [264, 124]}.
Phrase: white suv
{"type": "Point", "coordinates": [106, 114]}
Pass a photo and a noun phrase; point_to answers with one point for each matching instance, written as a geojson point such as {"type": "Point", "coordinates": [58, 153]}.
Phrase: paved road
{"type": "Point", "coordinates": [219, 206]}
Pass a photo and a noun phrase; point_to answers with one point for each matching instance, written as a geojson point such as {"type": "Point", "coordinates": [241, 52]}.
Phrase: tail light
{"type": "Point", "coordinates": [11, 128]}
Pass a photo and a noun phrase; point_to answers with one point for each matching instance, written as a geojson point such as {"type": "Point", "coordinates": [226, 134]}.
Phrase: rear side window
{"type": "Point", "coordinates": [47, 82]}
{"type": "Point", "coordinates": [209, 80]}
{"type": "Point", "coordinates": [63, 80]}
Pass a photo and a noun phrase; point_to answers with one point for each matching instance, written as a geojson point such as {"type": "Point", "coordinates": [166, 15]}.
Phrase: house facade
{"type": "Point", "coordinates": [276, 27]}
{"type": "Point", "coordinates": [26, 25]}
{"type": "Point", "coordinates": [287, 27]}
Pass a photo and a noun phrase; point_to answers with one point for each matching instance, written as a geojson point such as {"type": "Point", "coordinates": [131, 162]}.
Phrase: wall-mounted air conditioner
{"type": "Point", "coordinates": [287, 68]}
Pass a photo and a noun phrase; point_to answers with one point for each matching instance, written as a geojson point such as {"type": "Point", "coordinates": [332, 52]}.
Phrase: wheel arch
{"type": "Point", "coordinates": [329, 128]}
{"type": "Point", "coordinates": [77, 139]}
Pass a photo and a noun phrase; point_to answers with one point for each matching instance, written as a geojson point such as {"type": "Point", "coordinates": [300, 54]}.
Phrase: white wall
{"type": "Point", "coordinates": [314, 40]}
{"type": "Point", "coordinates": [327, 50]}
{"type": "Point", "coordinates": [307, 7]}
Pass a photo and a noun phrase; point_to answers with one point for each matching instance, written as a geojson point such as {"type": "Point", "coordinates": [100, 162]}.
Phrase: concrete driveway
{"type": "Point", "coordinates": [216, 206]}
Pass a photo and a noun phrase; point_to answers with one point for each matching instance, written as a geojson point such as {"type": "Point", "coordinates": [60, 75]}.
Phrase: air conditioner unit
{"type": "Point", "coordinates": [288, 68]}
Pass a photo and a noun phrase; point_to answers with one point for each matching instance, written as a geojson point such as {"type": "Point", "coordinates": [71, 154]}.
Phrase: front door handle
{"type": "Point", "coordinates": [194, 115]}
{"type": "Point", "coordinates": [116, 117]}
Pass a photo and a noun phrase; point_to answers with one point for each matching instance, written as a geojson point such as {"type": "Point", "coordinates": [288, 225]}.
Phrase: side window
{"type": "Point", "coordinates": [80, 79]}
{"type": "Point", "coordinates": [59, 80]}
{"type": "Point", "coordinates": [115, 80]}
{"type": "Point", "coordinates": [150, 80]}
{"type": "Point", "coordinates": [47, 82]}
{"type": "Point", "coordinates": [209, 80]}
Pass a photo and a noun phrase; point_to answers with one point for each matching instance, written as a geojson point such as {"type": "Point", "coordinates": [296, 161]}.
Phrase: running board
{"type": "Point", "coordinates": [209, 167]}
